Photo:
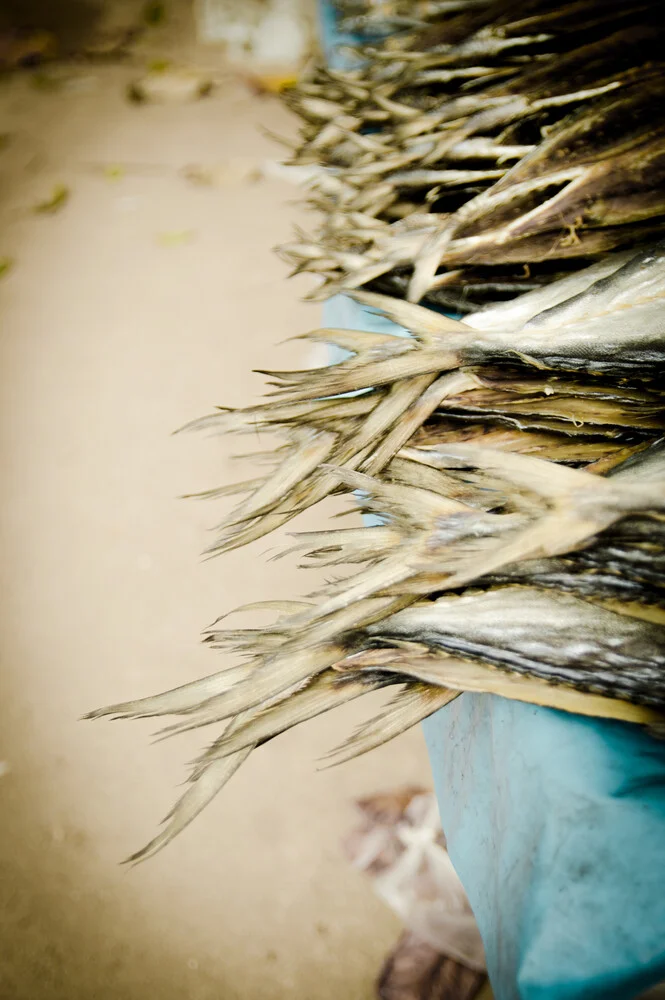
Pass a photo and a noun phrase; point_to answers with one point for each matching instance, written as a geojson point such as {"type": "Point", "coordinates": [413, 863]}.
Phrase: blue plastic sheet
{"type": "Point", "coordinates": [556, 826]}
{"type": "Point", "coordinates": [331, 38]}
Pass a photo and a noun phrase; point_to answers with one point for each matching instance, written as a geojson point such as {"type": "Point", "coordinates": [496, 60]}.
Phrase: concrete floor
{"type": "Point", "coordinates": [114, 332]}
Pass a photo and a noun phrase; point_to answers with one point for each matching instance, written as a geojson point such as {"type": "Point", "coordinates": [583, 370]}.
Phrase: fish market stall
{"type": "Point", "coordinates": [489, 183]}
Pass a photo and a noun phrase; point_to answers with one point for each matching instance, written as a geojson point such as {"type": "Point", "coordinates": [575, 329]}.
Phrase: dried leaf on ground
{"type": "Point", "coordinates": [56, 202]}
{"type": "Point", "coordinates": [170, 86]}
{"type": "Point", "coordinates": [176, 238]}
{"type": "Point", "coordinates": [154, 12]}
{"type": "Point", "coordinates": [223, 174]}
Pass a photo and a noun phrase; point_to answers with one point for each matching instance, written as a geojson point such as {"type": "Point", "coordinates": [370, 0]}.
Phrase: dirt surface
{"type": "Point", "coordinates": [138, 304]}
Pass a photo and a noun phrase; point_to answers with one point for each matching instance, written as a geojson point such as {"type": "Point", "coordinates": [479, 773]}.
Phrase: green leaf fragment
{"type": "Point", "coordinates": [176, 238]}
{"type": "Point", "coordinates": [154, 12]}
{"type": "Point", "coordinates": [114, 171]}
{"type": "Point", "coordinates": [59, 198]}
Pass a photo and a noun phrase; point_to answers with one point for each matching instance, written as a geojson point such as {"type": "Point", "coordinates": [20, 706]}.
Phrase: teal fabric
{"type": "Point", "coordinates": [556, 826]}
{"type": "Point", "coordinates": [332, 39]}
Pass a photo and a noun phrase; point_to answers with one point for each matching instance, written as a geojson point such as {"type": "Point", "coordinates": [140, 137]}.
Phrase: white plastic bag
{"type": "Point", "coordinates": [259, 34]}
{"type": "Point", "coordinates": [402, 848]}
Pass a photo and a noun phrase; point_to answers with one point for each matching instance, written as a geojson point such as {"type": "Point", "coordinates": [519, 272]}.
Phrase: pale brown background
{"type": "Point", "coordinates": [109, 341]}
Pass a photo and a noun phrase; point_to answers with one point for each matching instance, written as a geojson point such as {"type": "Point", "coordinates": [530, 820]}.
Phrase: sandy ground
{"type": "Point", "coordinates": [140, 305]}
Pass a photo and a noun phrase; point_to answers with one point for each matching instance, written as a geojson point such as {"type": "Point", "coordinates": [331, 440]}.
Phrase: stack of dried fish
{"type": "Point", "coordinates": [517, 464]}
{"type": "Point", "coordinates": [378, 18]}
{"type": "Point", "coordinates": [498, 149]}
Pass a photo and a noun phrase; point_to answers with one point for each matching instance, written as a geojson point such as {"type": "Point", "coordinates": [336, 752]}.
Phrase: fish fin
{"type": "Point", "coordinates": [405, 710]}
{"type": "Point", "coordinates": [178, 700]}
{"type": "Point", "coordinates": [200, 793]}
{"type": "Point", "coordinates": [428, 326]}
{"type": "Point", "coordinates": [322, 694]}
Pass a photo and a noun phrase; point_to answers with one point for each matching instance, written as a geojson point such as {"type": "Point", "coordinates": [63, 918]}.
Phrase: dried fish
{"type": "Point", "coordinates": [511, 148]}
{"type": "Point", "coordinates": [516, 465]}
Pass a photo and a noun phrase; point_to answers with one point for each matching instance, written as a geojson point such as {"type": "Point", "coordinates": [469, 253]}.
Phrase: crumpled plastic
{"type": "Point", "coordinates": [402, 847]}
